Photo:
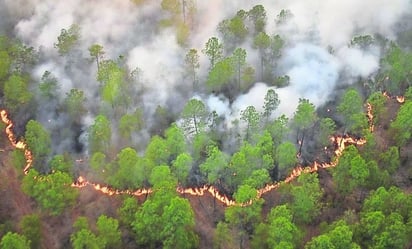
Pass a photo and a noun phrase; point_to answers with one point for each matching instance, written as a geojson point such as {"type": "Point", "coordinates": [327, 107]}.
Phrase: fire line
{"type": "Point", "coordinates": [339, 141]}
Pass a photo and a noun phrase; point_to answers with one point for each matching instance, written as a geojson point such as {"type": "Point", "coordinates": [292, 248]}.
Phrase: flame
{"type": "Point", "coordinates": [81, 182]}
{"type": "Point", "coordinates": [370, 116]}
{"type": "Point", "coordinates": [400, 99]}
{"type": "Point", "coordinates": [28, 155]}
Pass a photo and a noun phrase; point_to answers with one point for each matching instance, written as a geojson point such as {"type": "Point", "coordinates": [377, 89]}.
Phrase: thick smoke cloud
{"type": "Point", "coordinates": [132, 32]}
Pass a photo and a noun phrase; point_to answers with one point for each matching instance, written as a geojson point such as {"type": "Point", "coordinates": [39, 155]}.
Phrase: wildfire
{"type": "Point", "coordinates": [81, 182]}
{"type": "Point", "coordinates": [400, 99]}
{"type": "Point", "coordinates": [17, 144]}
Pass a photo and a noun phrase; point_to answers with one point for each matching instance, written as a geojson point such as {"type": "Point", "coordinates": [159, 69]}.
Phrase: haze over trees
{"type": "Point", "coordinates": [149, 96]}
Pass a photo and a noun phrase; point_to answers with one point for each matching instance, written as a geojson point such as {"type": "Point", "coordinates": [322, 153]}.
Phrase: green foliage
{"type": "Point", "coordinates": [306, 198]}
{"type": "Point", "coordinates": [246, 160]}
{"type": "Point", "coordinates": [351, 172]}
{"type": "Point", "coordinates": [111, 75]}
{"type": "Point", "coordinates": [175, 141]}
{"type": "Point", "coordinates": [251, 117]}
{"type": "Point", "coordinates": [16, 92]}
{"type": "Point", "coordinates": [286, 155]}
{"type": "Point", "coordinates": [351, 109]}
{"type": "Point", "coordinates": [192, 64]}
{"type": "Point", "coordinates": [398, 64]}
{"type": "Point", "coordinates": [282, 231]}
{"type": "Point", "coordinates": [258, 179]}
{"type": "Point", "coordinates": [131, 123]}
{"type": "Point", "coordinates": [340, 237]}
{"type": "Point", "coordinates": [49, 86]}
{"type": "Point", "coordinates": [38, 141]}
{"type": "Point", "coordinates": [220, 74]}
{"type": "Point", "coordinates": [271, 103]}
{"type": "Point", "coordinates": [96, 51]}
{"type": "Point", "coordinates": [100, 134]}
{"type": "Point", "coordinates": [85, 239]}
{"type": "Point", "coordinates": [14, 241]}
{"type": "Point", "coordinates": [67, 39]}
{"type": "Point", "coordinates": [5, 63]}
{"type": "Point", "coordinates": [178, 231]}
{"type": "Point", "coordinates": [194, 116]}
{"type": "Point", "coordinates": [258, 16]}
{"type": "Point", "coordinates": [214, 50]}
{"type": "Point", "coordinates": [18, 159]}
{"type": "Point", "coordinates": [377, 101]}
{"type": "Point", "coordinates": [223, 238]}
{"type": "Point", "coordinates": [127, 211]}
{"type": "Point", "coordinates": [62, 163]}
{"type": "Point", "coordinates": [389, 159]}
{"type": "Point", "coordinates": [239, 61]}
{"type": "Point", "coordinates": [214, 164]}
{"type": "Point", "coordinates": [53, 192]}
{"type": "Point", "coordinates": [128, 174]}
{"type": "Point", "coordinates": [157, 151]}
{"type": "Point", "coordinates": [31, 228]}
{"type": "Point", "coordinates": [327, 128]}
{"type": "Point", "coordinates": [402, 125]}
{"type": "Point", "coordinates": [181, 167]}
{"type": "Point", "coordinates": [305, 115]}
{"type": "Point", "coordinates": [75, 104]}
{"type": "Point", "coordinates": [108, 232]}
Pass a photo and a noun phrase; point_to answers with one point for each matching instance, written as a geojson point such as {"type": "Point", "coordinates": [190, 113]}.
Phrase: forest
{"type": "Point", "coordinates": [205, 124]}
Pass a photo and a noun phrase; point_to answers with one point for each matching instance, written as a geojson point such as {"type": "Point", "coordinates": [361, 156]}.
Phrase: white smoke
{"type": "Point", "coordinates": [133, 31]}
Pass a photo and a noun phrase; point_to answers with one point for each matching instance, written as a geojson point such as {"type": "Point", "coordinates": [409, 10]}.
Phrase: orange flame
{"type": "Point", "coordinates": [400, 99]}
{"type": "Point", "coordinates": [81, 182]}
{"type": "Point", "coordinates": [17, 144]}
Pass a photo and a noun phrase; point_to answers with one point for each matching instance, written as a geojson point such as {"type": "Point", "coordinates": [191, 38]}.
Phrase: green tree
{"type": "Point", "coordinates": [192, 64]}
{"type": "Point", "coordinates": [14, 241]}
{"type": "Point", "coordinates": [389, 159]}
{"type": "Point", "coordinates": [96, 52]}
{"type": "Point", "coordinates": [351, 171]}
{"type": "Point", "coordinates": [271, 103]}
{"type": "Point", "coordinates": [178, 229]}
{"type": "Point", "coordinates": [304, 118]}
{"type": "Point", "coordinates": [194, 116]}
{"type": "Point", "coordinates": [31, 228]}
{"type": "Point", "coordinates": [67, 39]}
{"type": "Point", "coordinates": [214, 164]}
{"type": "Point", "coordinates": [175, 141]}
{"type": "Point", "coordinates": [157, 151]}
{"type": "Point", "coordinates": [398, 64]}
{"type": "Point", "coordinates": [108, 232]}
{"type": "Point", "coordinates": [262, 43]}
{"type": "Point", "coordinates": [127, 175]}
{"type": "Point", "coordinates": [111, 76]}
{"type": "Point", "coordinates": [239, 61]}
{"type": "Point", "coordinates": [377, 101]}
{"type": "Point", "coordinates": [62, 163]}
{"type": "Point", "coordinates": [285, 156]}
{"type": "Point", "coordinates": [340, 237]}
{"type": "Point", "coordinates": [5, 63]}
{"type": "Point", "coordinates": [83, 238]}
{"type": "Point", "coordinates": [214, 50]}
{"type": "Point", "coordinates": [283, 233]}
{"type": "Point", "coordinates": [326, 128]}
{"type": "Point", "coordinates": [278, 129]}
{"type": "Point", "coordinates": [244, 219]}
{"type": "Point", "coordinates": [48, 86]}
{"type": "Point", "coordinates": [351, 109]}
{"type": "Point", "coordinates": [16, 92]}
{"type": "Point", "coordinates": [258, 17]}
{"type": "Point", "coordinates": [181, 167]}
{"type": "Point", "coordinates": [306, 198]}
{"type": "Point", "coordinates": [402, 125]}
{"type": "Point", "coordinates": [127, 211]}
{"type": "Point", "coordinates": [53, 192]}
{"type": "Point", "coordinates": [74, 104]}
{"type": "Point", "coordinates": [100, 134]}
{"type": "Point", "coordinates": [131, 123]}
{"type": "Point", "coordinates": [251, 117]}
{"type": "Point", "coordinates": [223, 238]}
{"type": "Point", "coordinates": [39, 143]}
{"type": "Point", "coordinates": [220, 74]}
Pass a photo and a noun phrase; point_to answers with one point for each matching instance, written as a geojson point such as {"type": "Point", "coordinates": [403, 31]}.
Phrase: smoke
{"type": "Point", "coordinates": [132, 32]}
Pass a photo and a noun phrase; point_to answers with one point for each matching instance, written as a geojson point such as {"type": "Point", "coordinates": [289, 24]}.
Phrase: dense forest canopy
{"type": "Point", "coordinates": [224, 96]}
